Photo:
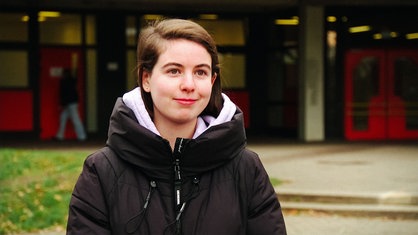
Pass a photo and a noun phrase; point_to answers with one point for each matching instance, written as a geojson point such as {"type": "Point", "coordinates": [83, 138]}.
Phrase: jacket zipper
{"type": "Point", "coordinates": [179, 206]}
{"type": "Point", "coordinates": [177, 173]}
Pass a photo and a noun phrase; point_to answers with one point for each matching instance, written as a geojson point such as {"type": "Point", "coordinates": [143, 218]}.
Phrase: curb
{"type": "Point", "coordinates": [388, 198]}
{"type": "Point", "coordinates": [388, 205]}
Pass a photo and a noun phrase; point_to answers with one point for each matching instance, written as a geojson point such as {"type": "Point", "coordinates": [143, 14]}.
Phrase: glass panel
{"type": "Point", "coordinates": [90, 30]}
{"type": "Point", "coordinates": [285, 35]}
{"type": "Point", "coordinates": [283, 87]}
{"type": "Point", "coordinates": [406, 82]}
{"type": "Point", "coordinates": [232, 70]}
{"type": "Point", "coordinates": [13, 27]}
{"type": "Point", "coordinates": [283, 75]}
{"type": "Point", "coordinates": [276, 77]}
{"type": "Point", "coordinates": [91, 91]}
{"type": "Point", "coordinates": [275, 116]}
{"type": "Point", "coordinates": [14, 69]}
{"type": "Point", "coordinates": [225, 32]}
{"type": "Point", "coordinates": [130, 69]}
{"type": "Point", "coordinates": [365, 86]}
{"type": "Point", "coordinates": [131, 31]}
{"type": "Point", "coordinates": [61, 29]}
{"type": "Point", "coordinates": [385, 27]}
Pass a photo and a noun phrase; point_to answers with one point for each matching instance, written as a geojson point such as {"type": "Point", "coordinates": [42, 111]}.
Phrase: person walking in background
{"type": "Point", "coordinates": [175, 161]}
{"type": "Point", "coordinates": [69, 105]}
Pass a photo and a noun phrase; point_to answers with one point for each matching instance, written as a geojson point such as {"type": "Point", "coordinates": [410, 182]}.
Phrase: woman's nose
{"type": "Point", "coordinates": [187, 83]}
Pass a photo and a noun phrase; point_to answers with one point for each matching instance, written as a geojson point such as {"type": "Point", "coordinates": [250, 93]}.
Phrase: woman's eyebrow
{"type": "Point", "coordinates": [180, 65]}
{"type": "Point", "coordinates": [172, 64]}
{"type": "Point", "coordinates": [203, 65]}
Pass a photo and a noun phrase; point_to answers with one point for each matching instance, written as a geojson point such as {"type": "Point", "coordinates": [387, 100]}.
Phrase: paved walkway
{"type": "Point", "coordinates": [335, 225]}
{"type": "Point", "coordinates": [375, 169]}
{"type": "Point", "coordinates": [358, 178]}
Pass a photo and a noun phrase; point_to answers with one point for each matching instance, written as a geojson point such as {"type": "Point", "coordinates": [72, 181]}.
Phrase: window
{"type": "Point", "coordinates": [225, 32]}
{"type": "Point", "coordinates": [14, 69]}
{"type": "Point", "coordinates": [131, 31]}
{"type": "Point", "coordinates": [13, 27]}
{"type": "Point", "coordinates": [130, 69]}
{"type": "Point", "coordinates": [90, 32]}
{"type": "Point", "coordinates": [60, 28]}
{"type": "Point", "coordinates": [232, 70]}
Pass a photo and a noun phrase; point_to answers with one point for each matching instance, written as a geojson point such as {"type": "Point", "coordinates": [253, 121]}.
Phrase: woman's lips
{"type": "Point", "coordinates": [185, 101]}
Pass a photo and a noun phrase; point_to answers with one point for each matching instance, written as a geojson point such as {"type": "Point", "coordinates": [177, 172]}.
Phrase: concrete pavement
{"type": "Point", "coordinates": [337, 225]}
{"type": "Point", "coordinates": [345, 188]}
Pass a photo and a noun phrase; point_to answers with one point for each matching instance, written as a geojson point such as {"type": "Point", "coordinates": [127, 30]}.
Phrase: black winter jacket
{"type": "Point", "coordinates": [68, 91]}
{"type": "Point", "coordinates": [208, 185]}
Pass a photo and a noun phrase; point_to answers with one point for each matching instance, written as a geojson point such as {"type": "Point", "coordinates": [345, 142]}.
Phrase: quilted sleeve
{"type": "Point", "coordinates": [88, 213]}
{"type": "Point", "coordinates": [264, 213]}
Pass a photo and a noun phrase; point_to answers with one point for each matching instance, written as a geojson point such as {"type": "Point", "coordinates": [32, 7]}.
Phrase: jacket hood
{"type": "Point", "coordinates": [152, 154]}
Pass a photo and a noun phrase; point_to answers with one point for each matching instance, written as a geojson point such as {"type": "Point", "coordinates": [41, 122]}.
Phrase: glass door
{"type": "Point", "coordinates": [364, 95]}
{"type": "Point", "coordinates": [402, 94]}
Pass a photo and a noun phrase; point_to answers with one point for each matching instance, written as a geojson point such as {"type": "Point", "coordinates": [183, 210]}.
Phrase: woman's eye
{"type": "Point", "coordinates": [173, 71]}
{"type": "Point", "coordinates": [201, 73]}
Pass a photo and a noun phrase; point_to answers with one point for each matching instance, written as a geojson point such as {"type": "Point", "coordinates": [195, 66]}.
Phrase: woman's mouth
{"type": "Point", "coordinates": [185, 101]}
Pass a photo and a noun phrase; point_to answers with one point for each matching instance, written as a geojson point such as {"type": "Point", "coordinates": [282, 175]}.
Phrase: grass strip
{"type": "Point", "coordinates": [35, 188]}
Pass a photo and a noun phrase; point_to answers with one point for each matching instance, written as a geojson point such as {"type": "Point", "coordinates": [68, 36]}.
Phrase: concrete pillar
{"type": "Point", "coordinates": [311, 73]}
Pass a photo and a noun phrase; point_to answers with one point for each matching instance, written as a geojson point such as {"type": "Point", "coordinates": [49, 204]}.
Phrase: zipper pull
{"type": "Point", "coordinates": [153, 185]}
{"type": "Point", "coordinates": [177, 182]}
{"type": "Point", "coordinates": [177, 172]}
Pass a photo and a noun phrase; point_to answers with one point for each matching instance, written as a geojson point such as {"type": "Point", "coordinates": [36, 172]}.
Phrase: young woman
{"type": "Point", "coordinates": [175, 161]}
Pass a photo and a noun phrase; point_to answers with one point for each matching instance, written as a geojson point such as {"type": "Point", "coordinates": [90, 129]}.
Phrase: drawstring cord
{"type": "Point", "coordinates": [178, 223]}
{"type": "Point", "coordinates": [134, 223]}
{"type": "Point", "coordinates": [193, 194]}
{"type": "Point", "coordinates": [153, 185]}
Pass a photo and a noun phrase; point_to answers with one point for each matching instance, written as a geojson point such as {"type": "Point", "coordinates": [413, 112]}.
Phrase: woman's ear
{"type": "Point", "coordinates": [145, 81]}
{"type": "Point", "coordinates": [215, 75]}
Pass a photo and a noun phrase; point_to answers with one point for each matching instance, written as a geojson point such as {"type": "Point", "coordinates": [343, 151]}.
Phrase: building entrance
{"type": "Point", "coordinates": [381, 94]}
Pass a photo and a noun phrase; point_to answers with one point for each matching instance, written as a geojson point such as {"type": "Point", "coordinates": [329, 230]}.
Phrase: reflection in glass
{"type": "Point", "coordinates": [131, 31]}
{"type": "Point", "coordinates": [406, 87]}
{"type": "Point", "coordinates": [233, 70]}
{"type": "Point", "coordinates": [225, 32]}
{"type": "Point", "coordinates": [14, 69]}
{"type": "Point", "coordinates": [365, 86]}
{"type": "Point", "coordinates": [64, 29]}
{"type": "Point", "coordinates": [90, 30]}
{"type": "Point", "coordinates": [130, 69]}
{"type": "Point", "coordinates": [13, 27]}
{"type": "Point", "coordinates": [91, 92]}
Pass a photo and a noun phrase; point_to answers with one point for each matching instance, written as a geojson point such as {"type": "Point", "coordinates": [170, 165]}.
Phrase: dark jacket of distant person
{"type": "Point", "coordinates": [68, 89]}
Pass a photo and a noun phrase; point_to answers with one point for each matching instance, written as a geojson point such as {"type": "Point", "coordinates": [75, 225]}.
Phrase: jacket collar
{"type": "Point", "coordinates": [152, 154]}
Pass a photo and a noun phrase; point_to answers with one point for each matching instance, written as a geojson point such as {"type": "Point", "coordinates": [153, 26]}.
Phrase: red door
{"type": "Point", "coordinates": [53, 61]}
{"type": "Point", "coordinates": [381, 94]}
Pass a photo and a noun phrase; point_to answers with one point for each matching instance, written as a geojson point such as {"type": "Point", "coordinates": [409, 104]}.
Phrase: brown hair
{"type": "Point", "coordinates": [150, 46]}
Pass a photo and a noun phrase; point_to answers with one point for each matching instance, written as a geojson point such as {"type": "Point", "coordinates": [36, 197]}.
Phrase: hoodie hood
{"type": "Point", "coordinates": [133, 100]}
{"type": "Point", "coordinates": [133, 136]}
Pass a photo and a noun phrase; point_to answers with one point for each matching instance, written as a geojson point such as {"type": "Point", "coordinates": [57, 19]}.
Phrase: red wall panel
{"type": "Point", "coordinates": [16, 108]}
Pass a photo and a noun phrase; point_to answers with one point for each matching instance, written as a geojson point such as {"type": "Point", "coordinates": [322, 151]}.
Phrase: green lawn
{"type": "Point", "coordinates": [35, 188]}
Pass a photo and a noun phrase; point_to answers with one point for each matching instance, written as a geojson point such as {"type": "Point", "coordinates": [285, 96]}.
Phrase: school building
{"type": "Point", "coordinates": [309, 70]}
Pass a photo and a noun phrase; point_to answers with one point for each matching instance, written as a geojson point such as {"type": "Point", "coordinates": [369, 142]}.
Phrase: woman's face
{"type": "Point", "coordinates": [180, 82]}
